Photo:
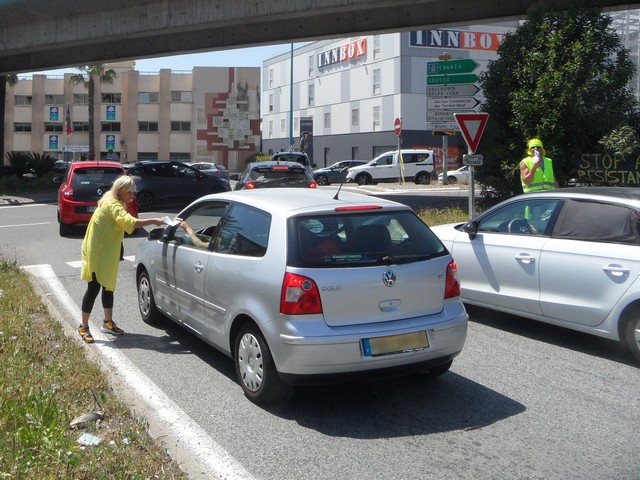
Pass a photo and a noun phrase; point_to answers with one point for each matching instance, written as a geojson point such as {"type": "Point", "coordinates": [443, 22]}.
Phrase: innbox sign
{"type": "Point", "coordinates": [343, 53]}
{"type": "Point", "coordinates": [463, 39]}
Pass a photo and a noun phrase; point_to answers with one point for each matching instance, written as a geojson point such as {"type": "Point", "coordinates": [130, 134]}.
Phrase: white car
{"type": "Point", "coordinates": [298, 286]}
{"type": "Point", "coordinates": [454, 176]}
{"type": "Point", "coordinates": [570, 257]}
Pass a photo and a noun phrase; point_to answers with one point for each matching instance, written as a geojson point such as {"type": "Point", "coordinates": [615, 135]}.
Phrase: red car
{"type": "Point", "coordinates": [80, 189]}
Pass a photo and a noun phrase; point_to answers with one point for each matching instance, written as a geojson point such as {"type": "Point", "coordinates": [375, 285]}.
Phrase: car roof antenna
{"type": "Point", "coordinates": [335, 197]}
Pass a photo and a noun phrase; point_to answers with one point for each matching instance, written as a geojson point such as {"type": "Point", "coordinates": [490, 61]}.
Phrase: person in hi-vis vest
{"type": "Point", "coordinates": [536, 170]}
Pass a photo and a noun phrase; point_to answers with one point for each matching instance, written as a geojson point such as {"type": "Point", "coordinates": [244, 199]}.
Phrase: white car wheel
{"type": "Point", "coordinates": [255, 368]}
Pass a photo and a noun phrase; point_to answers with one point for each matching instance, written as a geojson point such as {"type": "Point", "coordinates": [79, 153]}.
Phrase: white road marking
{"type": "Point", "coordinates": [26, 224]}
{"type": "Point", "coordinates": [78, 263]}
{"type": "Point", "coordinates": [210, 456]}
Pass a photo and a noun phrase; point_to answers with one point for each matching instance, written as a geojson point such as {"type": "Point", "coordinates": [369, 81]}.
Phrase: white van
{"type": "Point", "coordinates": [418, 166]}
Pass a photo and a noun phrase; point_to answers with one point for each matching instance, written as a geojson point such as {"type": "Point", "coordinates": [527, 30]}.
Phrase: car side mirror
{"type": "Point", "coordinates": [156, 233]}
{"type": "Point", "coordinates": [471, 228]}
{"type": "Point", "coordinates": [234, 176]}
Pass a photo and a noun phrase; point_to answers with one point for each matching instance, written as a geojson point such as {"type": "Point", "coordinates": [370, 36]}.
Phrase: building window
{"type": "Point", "coordinates": [311, 95]}
{"type": "Point", "coordinates": [23, 100]}
{"type": "Point", "coordinates": [54, 99]}
{"type": "Point", "coordinates": [81, 98]}
{"type": "Point", "coordinates": [147, 126]}
{"type": "Point", "coordinates": [311, 65]}
{"type": "Point", "coordinates": [184, 97]}
{"type": "Point", "coordinates": [180, 156]}
{"type": "Point", "coordinates": [355, 153]}
{"type": "Point", "coordinates": [283, 125]}
{"type": "Point", "coordinates": [148, 97]}
{"type": "Point", "coordinates": [376, 47]}
{"type": "Point", "coordinates": [327, 120]}
{"type": "Point", "coordinates": [80, 126]}
{"type": "Point", "coordinates": [110, 126]}
{"type": "Point", "coordinates": [376, 81]}
{"type": "Point", "coordinates": [142, 156]}
{"type": "Point", "coordinates": [52, 127]}
{"type": "Point", "coordinates": [22, 127]}
{"type": "Point", "coordinates": [327, 152]}
{"type": "Point", "coordinates": [111, 98]}
{"type": "Point", "coordinates": [180, 126]}
{"type": "Point", "coordinates": [376, 119]}
{"type": "Point", "coordinates": [271, 102]}
{"type": "Point", "coordinates": [355, 117]}
{"type": "Point", "coordinates": [271, 78]}
{"type": "Point", "coordinates": [270, 131]}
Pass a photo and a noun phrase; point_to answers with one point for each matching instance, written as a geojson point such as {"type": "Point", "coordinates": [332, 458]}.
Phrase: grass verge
{"type": "Point", "coordinates": [46, 380]}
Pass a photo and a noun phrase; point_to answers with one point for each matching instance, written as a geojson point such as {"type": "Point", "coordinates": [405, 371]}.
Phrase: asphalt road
{"type": "Point", "coordinates": [523, 400]}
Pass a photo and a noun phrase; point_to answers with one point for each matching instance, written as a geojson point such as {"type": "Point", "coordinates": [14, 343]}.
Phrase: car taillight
{"type": "Point", "coordinates": [68, 193]}
{"type": "Point", "coordinates": [300, 295]}
{"type": "Point", "coordinates": [452, 285]}
{"type": "Point", "coordinates": [250, 185]}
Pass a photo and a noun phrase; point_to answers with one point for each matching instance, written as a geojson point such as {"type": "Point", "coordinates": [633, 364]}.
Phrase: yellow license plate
{"type": "Point", "coordinates": [408, 342]}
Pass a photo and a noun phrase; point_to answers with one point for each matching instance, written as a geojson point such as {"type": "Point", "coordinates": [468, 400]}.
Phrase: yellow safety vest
{"type": "Point", "coordinates": [543, 178]}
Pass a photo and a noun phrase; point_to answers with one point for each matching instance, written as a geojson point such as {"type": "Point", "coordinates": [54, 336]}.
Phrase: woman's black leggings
{"type": "Point", "coordinates": [92, 292]}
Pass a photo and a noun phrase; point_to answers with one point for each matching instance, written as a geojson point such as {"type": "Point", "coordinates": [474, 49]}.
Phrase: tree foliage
{"type": "Point", "coordinates": [562, 77]}
{"type": "Point", "coordinates": [88, 77]}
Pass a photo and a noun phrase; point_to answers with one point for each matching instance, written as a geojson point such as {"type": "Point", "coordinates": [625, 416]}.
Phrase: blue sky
{"type": "Point", "coordinates": [245, 57]}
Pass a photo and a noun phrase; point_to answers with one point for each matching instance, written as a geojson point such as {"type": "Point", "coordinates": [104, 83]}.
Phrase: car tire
{"type": "Point", "coordinates": [363, 179]}
{"type": "Point", "coordinates": [452, 179]}
{"type": "Point", "coordinates": [322, 180]}
{"type": "Point", "coordinates": [65, 229]}
{"type": "Point", "coordinates": [255, 369]}
{"type": "Point", "coordinates": [146, 303]}
{"type": "Point", "coordinates": [423, 179]}
{"type": "Point", "coordinates": [145, 201]}
{"type": "Point", "coordinates": [631, 334]}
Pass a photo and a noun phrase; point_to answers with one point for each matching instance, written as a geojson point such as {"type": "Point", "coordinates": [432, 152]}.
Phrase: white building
{"type": "Point", "coordinates": [347, 93]}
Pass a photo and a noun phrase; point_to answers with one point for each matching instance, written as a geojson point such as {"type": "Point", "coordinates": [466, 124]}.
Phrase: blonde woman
{"type": "Point", "coordinates": [101, 251]}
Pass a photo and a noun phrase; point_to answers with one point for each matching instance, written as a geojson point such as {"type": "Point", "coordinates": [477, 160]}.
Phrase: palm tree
{"type": "Point", "coordinates": [88, 78]}
{"type": "Point", "coordinates": [5, 80]}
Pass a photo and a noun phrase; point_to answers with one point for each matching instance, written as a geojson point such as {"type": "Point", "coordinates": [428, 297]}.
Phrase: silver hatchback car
{"type": "Point", "coordinates": [306, 286]}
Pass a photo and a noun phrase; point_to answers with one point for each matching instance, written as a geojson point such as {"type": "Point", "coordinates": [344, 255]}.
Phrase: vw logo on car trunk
{"type": "Point", "coordinates": [389, 278]}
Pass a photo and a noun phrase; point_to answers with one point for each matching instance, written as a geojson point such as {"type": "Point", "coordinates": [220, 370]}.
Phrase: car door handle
{"type": "Point", "coordinates": [198, 267]}
{"type": "Point", "coordinates": [525, 258]}
{"type": "Point", "coordinates": [616, 270]}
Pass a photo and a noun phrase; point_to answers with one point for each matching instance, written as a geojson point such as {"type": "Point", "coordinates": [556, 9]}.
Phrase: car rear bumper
{"type": "Point", "coordinates": [306, 359]}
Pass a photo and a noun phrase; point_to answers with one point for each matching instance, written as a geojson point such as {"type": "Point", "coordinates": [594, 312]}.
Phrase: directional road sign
{"type": "Point", "coordinates": [471, 126]}
{"type": "Point", "coordinates": [464, 90]}
{"type": "Point", "coordinates": [452, 66]}
{"type": "Point", "coordinates": [460, 103]}
{"type": "Point", "coordinates": [439, 116]}
{"type": "Point", "coordinates": [442, 126]}
{"type": "Point", "coordinates": [449, 79]}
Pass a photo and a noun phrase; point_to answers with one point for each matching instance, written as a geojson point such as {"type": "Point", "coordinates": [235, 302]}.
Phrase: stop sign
{"type": "Point", "coordinates": [397, 126]}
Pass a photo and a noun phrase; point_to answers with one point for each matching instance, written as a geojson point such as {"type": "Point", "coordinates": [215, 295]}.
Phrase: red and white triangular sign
{"type": "Point", "coordinates": [471, 126]}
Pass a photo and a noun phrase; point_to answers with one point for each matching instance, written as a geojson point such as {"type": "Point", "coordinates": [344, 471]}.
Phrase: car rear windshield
{"type": "Point", "coordinates": [269, 174]}
{"type": "Point", "coordinates": [361, 239]}
{"type": "Point", "coordinates": [95, 176]}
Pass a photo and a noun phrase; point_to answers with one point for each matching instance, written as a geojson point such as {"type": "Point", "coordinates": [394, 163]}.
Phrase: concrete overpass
{"type": "Point", "coordinates": [44, 34]}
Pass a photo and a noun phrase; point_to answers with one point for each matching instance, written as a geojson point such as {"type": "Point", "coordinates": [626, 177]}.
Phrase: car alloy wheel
{"type": "Point", "coordinates": [255, 368]}
{"type": "Point", "coordinates": [423, 179]}
{"type": "Point", "coordinates": [363, 179]}
{"type": "Point", "coordinates": [322, 180]}
{"type": "Point", "coordinates": [145, 201]}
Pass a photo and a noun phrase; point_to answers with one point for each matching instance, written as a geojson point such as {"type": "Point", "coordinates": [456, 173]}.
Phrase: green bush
{"type": "Point", "coordinates": [41, 163]}
{"type": "Point", "coordinates": [20, 162]}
